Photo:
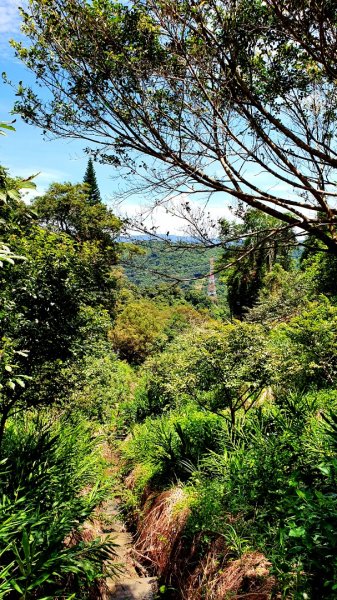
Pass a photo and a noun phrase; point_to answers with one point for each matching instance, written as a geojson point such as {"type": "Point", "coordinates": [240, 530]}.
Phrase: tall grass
{"type": "Point", "coordinates": [51, 480]}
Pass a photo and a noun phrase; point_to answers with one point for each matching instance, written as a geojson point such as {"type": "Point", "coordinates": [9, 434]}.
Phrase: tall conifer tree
{"type": "Point", "coordinates": [91, 181]}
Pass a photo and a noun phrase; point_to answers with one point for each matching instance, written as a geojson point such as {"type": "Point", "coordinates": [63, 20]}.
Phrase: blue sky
{"type": "Point", "coordinates": [26, 151]}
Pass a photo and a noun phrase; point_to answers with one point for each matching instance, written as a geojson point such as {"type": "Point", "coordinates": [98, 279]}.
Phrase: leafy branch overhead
{"type": "Point", "coordinates": [10, 192]}
{"type": "Point", "coordinates": [233, 98]}
{"type": "Point", "coordinates": [6, 127]}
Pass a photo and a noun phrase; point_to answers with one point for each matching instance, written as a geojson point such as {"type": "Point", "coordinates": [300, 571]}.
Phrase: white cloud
{"type": "Point", "coordinates": [171, 217]}
{"type": "Point", "coordinates": [9, 17]}
{"type": "Point", "coordinates": [10, 21]}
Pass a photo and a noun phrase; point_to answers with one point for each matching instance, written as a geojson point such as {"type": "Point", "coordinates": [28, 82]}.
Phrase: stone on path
{"type": "Point", "coordinates": [129, 585]}
{"type": "Point", "coordinates": [141, 588]}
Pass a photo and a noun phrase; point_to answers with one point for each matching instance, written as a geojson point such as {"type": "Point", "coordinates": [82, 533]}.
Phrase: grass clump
{"type": "Point", "coordinates": [50, 485]}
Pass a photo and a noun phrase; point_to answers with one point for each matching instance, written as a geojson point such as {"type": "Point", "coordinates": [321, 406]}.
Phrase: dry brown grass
{"type": "Point", "coordinates": [195, 573]}
{"type": "Point", "coordinates": [160, 530]}
{"type": "Point", "coordinates": [160, 544]}
{"type": "Point", "coordinates": [218, 578]}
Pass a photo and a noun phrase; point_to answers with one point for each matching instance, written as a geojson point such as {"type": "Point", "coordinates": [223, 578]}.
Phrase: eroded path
{"type": "Point", "coordinates": [133, 582]}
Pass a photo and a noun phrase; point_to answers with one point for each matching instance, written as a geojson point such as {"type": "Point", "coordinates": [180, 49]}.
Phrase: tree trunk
{"type": "Point", "coordinates": [233, 415]}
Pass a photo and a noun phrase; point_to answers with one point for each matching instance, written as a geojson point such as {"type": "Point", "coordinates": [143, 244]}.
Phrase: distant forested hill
{"type": "Point", "coordinates": [159, 259]}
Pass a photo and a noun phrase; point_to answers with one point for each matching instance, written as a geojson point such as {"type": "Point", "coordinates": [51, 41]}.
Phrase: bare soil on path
{"type": "Point", "coordinates": [133, 583]}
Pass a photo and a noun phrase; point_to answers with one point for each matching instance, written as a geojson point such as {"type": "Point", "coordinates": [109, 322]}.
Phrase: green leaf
{"type": "Point", "coordinates": [297, 532]}
{"type": "Point", "coordinates": [30, 185]}
{"type": "Point", "coordinates": [6, 126]}
{"type": "Point", "coordinates": [44, 577]}
{"type": "Point", "coordinates": [6, 259]}
{"type": "Point", "coordinates": [20, 382]}
{"type": "Point", "coordinates": [324, 469]}
{"type": "Point", "coordinates": [26, 545]}
{"type": "Point", "coordinates": [16, 586]}
{"type": "Point", "coordinates": [13, 194]}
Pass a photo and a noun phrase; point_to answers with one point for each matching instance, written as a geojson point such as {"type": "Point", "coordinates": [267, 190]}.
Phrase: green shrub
{"type": "Point", "coordinates": [101, 385]}
{"type": "Point", "coordinates": [275, 484]}
{"type": "Point", "coordinates": [305, 349]}
{"type": "Point", "coordinates": [51, 481]}
{"type": "Point", "coordinates": [174, 443]}
{"type": "Point", "coordinates": [223, 369]}
{"type": "Point", "coordinates": [284, 294]}
{"type": "Point", "coordinates": [139, 405]}
{"type": "Point", "coordinates": [139, 330]}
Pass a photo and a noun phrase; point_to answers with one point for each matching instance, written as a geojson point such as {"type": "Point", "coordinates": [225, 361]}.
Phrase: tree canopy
{"type": "Point", "coordinates": [68, 208]}
{"type": "Point", "coordinates": [259, 242]}
{"type": "Point", "coordinates": [236, 97]}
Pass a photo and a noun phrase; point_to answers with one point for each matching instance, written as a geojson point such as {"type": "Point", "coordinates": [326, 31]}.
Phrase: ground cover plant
{"type": "Point", "coordinates": [45, 468]}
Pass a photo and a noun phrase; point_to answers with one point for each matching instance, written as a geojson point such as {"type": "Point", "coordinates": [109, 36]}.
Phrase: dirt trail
{"type": "Point", "coordinates": [133, 582]}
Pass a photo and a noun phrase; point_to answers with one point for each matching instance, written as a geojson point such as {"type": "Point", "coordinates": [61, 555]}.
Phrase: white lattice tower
{"type": "Point", "coordinates": [211, 290]}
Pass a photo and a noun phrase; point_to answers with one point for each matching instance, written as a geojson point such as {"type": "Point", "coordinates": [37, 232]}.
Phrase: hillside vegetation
{"type": "Point", "coordinates": [208, 424]}
{"type": "Point", "coordinates": [226, 431]}
{"type": "Point", "coordinates": [186, 266]}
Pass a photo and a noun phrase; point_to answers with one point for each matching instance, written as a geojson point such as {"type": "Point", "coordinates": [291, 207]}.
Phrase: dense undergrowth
{"type": "Point", "coordinates": [52, 479]}
{"type": "Point", "coordinates": [57, 299]}
{"type": "Point", "coordinates": [242, 418]}
{"type": "Point", "coordinates": [226, 429]}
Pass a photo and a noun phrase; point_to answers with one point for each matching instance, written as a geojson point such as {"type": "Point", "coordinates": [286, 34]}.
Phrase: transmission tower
{"type": "Point", "coordinates": [211, 290]}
